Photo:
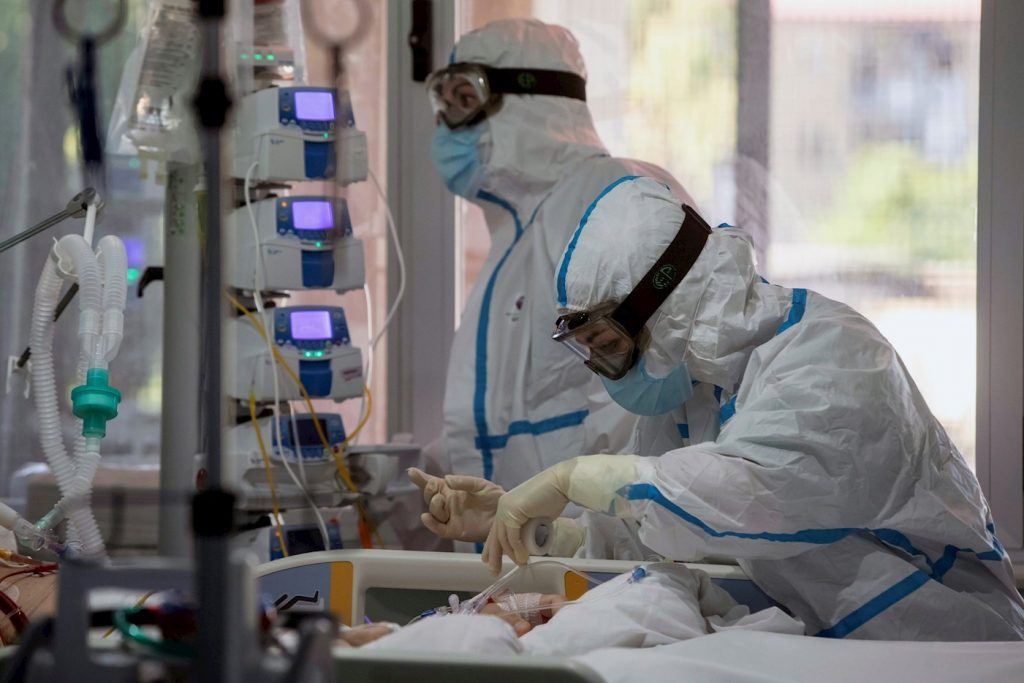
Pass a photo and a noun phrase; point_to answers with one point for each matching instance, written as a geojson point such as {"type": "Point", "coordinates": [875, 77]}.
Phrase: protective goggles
{"type": "Point", "coordinates": [610, 337]}
{"type": "Point", "coordinates": [462, 94]}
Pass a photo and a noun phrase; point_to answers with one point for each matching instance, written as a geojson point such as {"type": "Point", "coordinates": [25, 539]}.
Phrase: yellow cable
{"type": "Point", "coordinates": [343, 472]}
{"type": "Point", "coordinates": [141, 601]}
{"type": "Point", "coordinates": [270, 474]}
{"type": "Point", "coordinates": [362, 423]}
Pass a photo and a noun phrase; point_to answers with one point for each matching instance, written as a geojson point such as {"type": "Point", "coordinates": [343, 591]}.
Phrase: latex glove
{"type": "Point", "coordinates": [460, 507]}
{"type": "Point", "coordinates": [569, 536]}
{"type": "Point", "coordinates": [544, 495]}
{"type": "Point", "coordinates": [592, 481]}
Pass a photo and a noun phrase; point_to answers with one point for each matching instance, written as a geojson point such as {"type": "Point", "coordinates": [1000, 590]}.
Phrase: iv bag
{"type": "Point", "coordinates": [152, 114]}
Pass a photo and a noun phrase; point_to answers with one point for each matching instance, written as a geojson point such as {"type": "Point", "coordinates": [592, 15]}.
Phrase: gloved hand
{"type": "Point", "coordinates": [461, 508]}
{"type": "Point", "coordinates": [569, 536]}
{"type": "Point", "coordinates": [593, 481]}
{"type": "Point", "coordinates": [544, 495]}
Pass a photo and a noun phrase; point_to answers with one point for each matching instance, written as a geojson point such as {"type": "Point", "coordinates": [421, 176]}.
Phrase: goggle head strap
{"type": "Point", "coordinates": [536, 82]}
{"type": "Point", "coordinates": [666, 273]}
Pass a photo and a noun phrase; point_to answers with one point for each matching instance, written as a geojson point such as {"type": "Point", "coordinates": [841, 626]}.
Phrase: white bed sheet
{"type": "Point", "coordinates": [675, 625]}
{"type": "Point", "coordinates": [752, 657]}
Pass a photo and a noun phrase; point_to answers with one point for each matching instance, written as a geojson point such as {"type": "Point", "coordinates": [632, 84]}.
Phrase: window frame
{"type": "Point", "coordinates": [421, 334]}
{"type": "Point", "coordinates": [425, 214]}
{"type": "Point", "coordinates": [1000, 406]}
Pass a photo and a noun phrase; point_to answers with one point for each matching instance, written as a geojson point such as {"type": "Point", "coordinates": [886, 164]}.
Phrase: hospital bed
{"type": "Point", "coordinates": [397, 585]}
{"type": "Point", "coordinates": [357, 585]}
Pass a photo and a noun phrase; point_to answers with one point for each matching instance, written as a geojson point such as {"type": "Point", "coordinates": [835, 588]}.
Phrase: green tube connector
{"type": "Point", "coordinates": [95, 402]}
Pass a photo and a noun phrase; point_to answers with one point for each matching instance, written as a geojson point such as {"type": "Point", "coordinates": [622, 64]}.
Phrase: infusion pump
{"type": "Point", "coordinates": [314, 343]}
{"type": "Point", "coordinates": [290, 134]}
{"type": "Point", "coordinates": [306, 242]}
{"type": "Point", "coordinates": [299, 440]}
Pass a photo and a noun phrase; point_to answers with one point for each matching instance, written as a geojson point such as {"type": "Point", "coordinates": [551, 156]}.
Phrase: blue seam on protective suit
{"type": "Point", "coordinates": [520, 427]}
{"type": "Point", "coordinates": [495, 199]}
{"type": "Point", "coordinates": [684, 430]}
{"type": "Point", "coordinates": [727, 410]}
{"type": "Point", "coordinates": [796, 311]}
{"type": "Point", "coordinates": [725, 225]}
{"type": "Point", "coordinates": [875, 606]}
{"type": "Point", "coordinates": [563, 268]}
{"type": "Point", "coordinates": [999, 550]}
{"type": "Point", "coordinates": [796, 314]}
{"type": "Point", "coordinates": [480, 386]}
{"type": "Point", "coordinates": [860, 616]}
{"type": "Point", "coordinates": [891, 537]}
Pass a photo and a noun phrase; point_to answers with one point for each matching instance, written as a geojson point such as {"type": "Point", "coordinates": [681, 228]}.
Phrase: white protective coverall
{"type": "Point", "coordinates": [515, 402]}
{"type": "Point", "coordinates": [830, 480]}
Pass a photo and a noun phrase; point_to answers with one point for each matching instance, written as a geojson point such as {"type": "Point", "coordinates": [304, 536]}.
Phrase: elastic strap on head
{"type": "Point", "coordinates": [537, 82]}
{"type": "Point", "coordinates": [666, 273]}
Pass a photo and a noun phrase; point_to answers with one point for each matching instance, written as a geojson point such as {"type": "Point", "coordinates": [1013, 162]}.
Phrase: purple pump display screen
{"type": "Point", "coordinates": [314, 106]}
{"type": "Point", "coordinates": [312, 215]}
{"type": "Point", "coordinates": [311, 325]}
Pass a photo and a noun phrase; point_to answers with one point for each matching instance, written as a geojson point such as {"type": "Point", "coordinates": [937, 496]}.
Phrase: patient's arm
{"type": "Point", "coordinates": [357, 636]}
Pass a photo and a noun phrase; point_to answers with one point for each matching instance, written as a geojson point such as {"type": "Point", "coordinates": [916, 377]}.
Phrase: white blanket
{"type": "Point", "coordinates": [747, 657]}
{"type": "Point", "coordinates": [670, 603]}
{"type": "Point", "coordinates": [675, 625]}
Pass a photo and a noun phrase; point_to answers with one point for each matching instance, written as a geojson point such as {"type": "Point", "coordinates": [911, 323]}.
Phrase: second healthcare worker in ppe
{"type": "Point", "coordinates": [514, 136]}
{"type": "Point", "coordinates": [830, 480]}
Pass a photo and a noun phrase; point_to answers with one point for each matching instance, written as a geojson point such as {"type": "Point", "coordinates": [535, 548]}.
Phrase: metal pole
{"type": "Point", "coordinates": [753, 119]}
{"type": "Point", "coordinates": [179, 418]}
{"type": "Point", "coordinates": [222, 638]}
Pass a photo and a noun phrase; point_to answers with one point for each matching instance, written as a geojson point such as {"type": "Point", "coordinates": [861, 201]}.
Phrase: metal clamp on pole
{"type": "Point", "coordinates": [76, 208]}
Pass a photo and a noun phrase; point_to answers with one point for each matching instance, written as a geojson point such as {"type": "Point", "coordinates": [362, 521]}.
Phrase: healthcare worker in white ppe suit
{"type": "Point", "coordinates": [514, 136]}
{"type": "Point", "coordinates": [830, 480]}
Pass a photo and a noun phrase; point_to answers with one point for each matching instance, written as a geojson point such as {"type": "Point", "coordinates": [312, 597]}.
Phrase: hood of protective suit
{"type": "Point", "coordinates": [532, 141]}
{"type": "Point", "coordinates": [714, 317]}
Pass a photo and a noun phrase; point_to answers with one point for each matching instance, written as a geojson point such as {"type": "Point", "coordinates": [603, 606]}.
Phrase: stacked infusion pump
{"type": "Point", "coordinates": [285, 135]}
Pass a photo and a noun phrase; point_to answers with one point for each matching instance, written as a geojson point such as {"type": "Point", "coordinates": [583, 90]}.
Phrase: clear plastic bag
{"type": "Point", "coordinates": [152, 112]}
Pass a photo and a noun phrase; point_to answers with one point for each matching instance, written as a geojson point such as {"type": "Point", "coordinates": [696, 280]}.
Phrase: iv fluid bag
{"type": "Point", "coordinates": [152, 113]}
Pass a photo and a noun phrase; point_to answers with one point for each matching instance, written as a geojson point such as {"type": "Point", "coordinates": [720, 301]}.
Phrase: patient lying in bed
{"type": "Point", "coordinates": [667, 604]}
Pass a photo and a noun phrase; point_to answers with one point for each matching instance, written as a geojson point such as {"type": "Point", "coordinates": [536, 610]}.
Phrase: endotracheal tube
{"type": "Point", "coordinates": [101, 276]}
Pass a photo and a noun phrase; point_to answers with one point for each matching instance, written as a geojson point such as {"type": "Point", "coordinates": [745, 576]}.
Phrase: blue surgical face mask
{"type": "Point", "coordinates": [457, 159]}
{"type": "Point", "coordinates": [641, 394]}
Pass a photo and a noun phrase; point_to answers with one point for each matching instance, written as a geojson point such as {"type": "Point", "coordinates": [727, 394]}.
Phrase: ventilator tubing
{"type": "Point", "coordinates": [33, 538]}
{"type": "Point", "coordinates": [102, 285]}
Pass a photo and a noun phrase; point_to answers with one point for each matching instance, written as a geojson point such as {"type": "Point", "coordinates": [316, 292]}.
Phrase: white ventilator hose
{"type": "Point", "coordinates": [44, 386]}
{"type": "Point", "coordinates": [113, 260]}
{"type": "Point", "coordinates": [74, 479]}
{"type": "Point", "coordinates": [77, 503]}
